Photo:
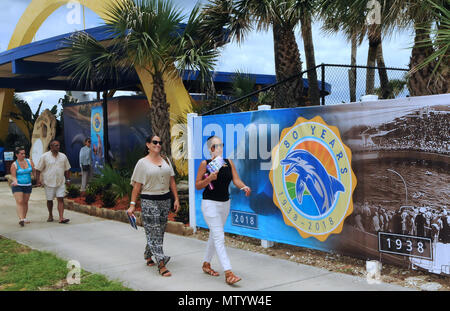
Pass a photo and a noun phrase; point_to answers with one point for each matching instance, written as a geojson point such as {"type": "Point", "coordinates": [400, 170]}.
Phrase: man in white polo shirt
{"type": "Point", "coordinates": [54, 167]}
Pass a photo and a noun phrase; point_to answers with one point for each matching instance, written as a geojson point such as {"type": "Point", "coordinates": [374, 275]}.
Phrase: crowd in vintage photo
{"type": "Point", "coordinates": [427, 131]}
{"type": "Point", "coordinates": [433, 223]}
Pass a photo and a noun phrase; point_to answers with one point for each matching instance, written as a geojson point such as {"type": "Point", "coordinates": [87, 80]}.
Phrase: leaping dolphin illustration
{"type": "Point", "coordinates": [311, 174]}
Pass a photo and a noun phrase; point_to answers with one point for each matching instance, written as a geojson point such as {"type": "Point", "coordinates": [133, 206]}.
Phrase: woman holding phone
{"type": "Point", "coordinates": [216, 206]}
{"type": "Point", "coordinates": [152, 178]}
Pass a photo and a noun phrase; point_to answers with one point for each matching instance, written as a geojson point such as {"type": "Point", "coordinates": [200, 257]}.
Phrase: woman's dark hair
{"type": "Point", "coordinates": [150, 138]}
{"type": "Point", "coordinates": [17, 151]}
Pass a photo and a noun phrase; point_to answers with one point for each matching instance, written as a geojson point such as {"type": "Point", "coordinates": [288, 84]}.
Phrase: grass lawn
{"type": "Point", "coordinates": [25, 269]}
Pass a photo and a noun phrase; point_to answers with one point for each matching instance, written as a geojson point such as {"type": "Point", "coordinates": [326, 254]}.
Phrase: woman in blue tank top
{"type": "Point", "coordinates": [21, 171]}
{"type": "Point", "coordinates": [216, 206]}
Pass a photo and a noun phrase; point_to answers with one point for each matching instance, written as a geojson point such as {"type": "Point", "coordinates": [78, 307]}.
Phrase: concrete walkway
{"type": "Point", "coordinates": [115, 250]}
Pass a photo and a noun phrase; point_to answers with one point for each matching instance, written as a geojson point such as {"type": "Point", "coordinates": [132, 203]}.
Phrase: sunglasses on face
{"type": "Point", "coordinates": [217, 146]}
{"type": "Point", "coordinates": [155, 142]}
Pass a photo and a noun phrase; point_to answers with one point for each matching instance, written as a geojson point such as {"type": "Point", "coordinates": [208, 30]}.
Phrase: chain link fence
{"type": "Point", "coordinates": [336, 84]}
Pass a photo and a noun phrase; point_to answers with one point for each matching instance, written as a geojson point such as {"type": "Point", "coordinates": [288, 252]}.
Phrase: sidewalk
{"type": "Point", "coordinates": [115, 250]}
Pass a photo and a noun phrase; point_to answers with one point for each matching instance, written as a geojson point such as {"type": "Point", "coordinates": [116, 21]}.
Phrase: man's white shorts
{"type": "Point", "coordinates": [55, 192]}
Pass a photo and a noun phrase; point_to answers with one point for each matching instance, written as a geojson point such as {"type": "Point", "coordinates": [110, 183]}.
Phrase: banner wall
{"type": "Point", "coordinates": [368, 180]}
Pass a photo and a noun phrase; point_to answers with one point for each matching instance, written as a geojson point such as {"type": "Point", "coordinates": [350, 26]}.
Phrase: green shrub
{"type": "Point", "coordinates": [115, 180]}
{"type": "Point", "coordinates": [109, 198]}
{"type": "Point", "coordinates": [90, 195]}
{"type": "Point", "coordinates": [96, 187]}
{"type": "Point", "coordinates": [73, 191]}
{"type": "Point", "coordinates": [183, 214]}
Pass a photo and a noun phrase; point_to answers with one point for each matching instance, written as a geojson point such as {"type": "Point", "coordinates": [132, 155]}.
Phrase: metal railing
{"type": "Point", "coordinates": [337, 84]}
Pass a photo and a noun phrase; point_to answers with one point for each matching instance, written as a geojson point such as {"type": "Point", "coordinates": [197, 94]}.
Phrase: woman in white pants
{"type": "Point", "coordinates": [216, 207]}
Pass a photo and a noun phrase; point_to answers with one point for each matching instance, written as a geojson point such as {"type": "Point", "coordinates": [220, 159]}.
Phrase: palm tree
{"type": "Point", "coordinates": [239, 16]}
{"type": "Point", "coordinates": [353, 14]}
{"type": "Point", "coordinates": [148, 37]}
{"type": "Point", "coordinates": [354, 33]}
{"type": "Point", "coordinates": [313, 85]}
{"type": "Point", "coordinates": [429, 63]}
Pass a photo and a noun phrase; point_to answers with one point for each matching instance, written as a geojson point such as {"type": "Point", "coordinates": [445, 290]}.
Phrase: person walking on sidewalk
{"type": "Point", "coordinates": [85, 164]}
{"type": "Point", "coordinates": [216, 206]}
{"type": "Point", "coordinates": [54, 167]}
{"type": "Point", "coordinates": [21, 171]}
{"type": "Point", "coordinates": [152, 178]}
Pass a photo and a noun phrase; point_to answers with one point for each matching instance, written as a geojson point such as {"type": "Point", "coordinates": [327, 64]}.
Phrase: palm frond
{"type": "Point", "coordinates": [91, 64]}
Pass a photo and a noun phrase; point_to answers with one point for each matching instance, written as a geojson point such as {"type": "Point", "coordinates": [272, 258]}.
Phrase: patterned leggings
{"type": "Point", "coordinates": [154, 218]}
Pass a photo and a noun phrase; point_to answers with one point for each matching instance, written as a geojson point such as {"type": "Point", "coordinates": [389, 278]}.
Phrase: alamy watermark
{"type": "Point", "coordinates": [73, 17]}
{"type": "Point", "coordinates": [374, 14]}
{"type": "Point", "coordinates": [74, 275]}
{"type": "Point", "coordinates": [241, 142]}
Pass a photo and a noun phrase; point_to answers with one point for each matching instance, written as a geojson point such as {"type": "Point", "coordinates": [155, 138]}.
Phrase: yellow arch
{"type": "Point", "coordinates": [33, 17]}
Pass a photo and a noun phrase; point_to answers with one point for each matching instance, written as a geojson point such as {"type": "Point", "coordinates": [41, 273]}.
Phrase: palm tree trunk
{"type": "Point", "coordinates": [352, 72]}
{"type": "Point", "coordinates": [386, 91]}
{"type": "Point", "coordinates": [418, 82]}
{"type": "Point", "coordinates": [159, 114]}
{"type": "Point", "coordinates": [287, 64]}
{"type": "Point", "coordinates": [374, 35]}
{"type": "Point", "coordinates": [313, 89]}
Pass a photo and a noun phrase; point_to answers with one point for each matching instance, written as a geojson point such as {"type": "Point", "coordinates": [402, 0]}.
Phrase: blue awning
{"type": "Point", "coordinates": [36, 66]}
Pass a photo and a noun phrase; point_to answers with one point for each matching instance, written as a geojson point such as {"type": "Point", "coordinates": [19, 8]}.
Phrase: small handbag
{"type": "Point", "coordinates": [85, 168]}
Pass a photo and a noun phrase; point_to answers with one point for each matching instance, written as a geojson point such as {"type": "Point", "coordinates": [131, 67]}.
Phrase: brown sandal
{"type": "Point", "coordinates": [230, 278]}
{"type": "Point", "coordinates": [163, 272]}
{"type": "Point", "coordinates": [208, 270]}
{"type": "Point", "coordinates": [150, 262]}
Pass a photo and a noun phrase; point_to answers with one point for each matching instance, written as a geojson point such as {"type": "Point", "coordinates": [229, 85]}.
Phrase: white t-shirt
{"type": "Point", "coordinates": [53, 168]}
{"type": "Point", "coordinates": [155, 180]}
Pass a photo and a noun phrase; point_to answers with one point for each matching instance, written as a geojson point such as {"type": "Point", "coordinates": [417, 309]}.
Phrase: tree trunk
{"type": "Point", "coordinates": [159, 115]}
{"type": "Point", "coordinates": [418, 82]}
{"type": "Point", "coordinates": [352, 72]}
{"type": "Point", "coordinates": [374, 34]}
{"type": "Point", "coordinates": [313, 86]}
{"type": "Point", "coordinates": [287, 64]}
{"type": "Point", "coordinates": [386, 91]}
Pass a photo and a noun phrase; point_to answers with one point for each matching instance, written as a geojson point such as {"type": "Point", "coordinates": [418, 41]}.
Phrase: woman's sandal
{"type": "Point", "coordinates": [230, 278]}
{"type": "Point", "coordinates": [208, 270]}
{"type": "Point", "coordinates": [165, 272]}
{"type": "Point", "coordinates": [150, 262]}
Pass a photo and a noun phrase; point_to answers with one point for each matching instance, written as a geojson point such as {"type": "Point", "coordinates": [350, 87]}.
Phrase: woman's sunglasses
{"type": "Point", "coordinates": [155, 142]}
{"type": "Point", "coordinates": [217, 146]}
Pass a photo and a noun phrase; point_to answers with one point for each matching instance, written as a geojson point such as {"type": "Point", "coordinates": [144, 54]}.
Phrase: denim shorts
{"type": "Point", "coordinates": [24, 189]}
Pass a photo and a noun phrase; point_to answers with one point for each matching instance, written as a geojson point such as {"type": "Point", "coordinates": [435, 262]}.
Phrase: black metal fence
{"type": "Point", "coordinates": [336, 84]}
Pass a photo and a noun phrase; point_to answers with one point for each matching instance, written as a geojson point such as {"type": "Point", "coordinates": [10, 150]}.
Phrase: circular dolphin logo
{"type": "Point", "coordinates": [97, 122]}
{"type": "Point", "coordinates": [312, 178]}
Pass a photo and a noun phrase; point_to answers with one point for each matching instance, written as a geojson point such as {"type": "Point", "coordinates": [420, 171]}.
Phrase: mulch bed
{"type": "Point", "coordinates": [121, 204]}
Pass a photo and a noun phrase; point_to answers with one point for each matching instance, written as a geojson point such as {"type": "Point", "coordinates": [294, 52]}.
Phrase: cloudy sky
{"type": "Point", "coordinates": [253, 56]}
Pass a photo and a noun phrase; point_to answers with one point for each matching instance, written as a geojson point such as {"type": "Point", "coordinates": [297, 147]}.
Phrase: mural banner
{"type": "Point", "coordinates": [128, 127]}
{"type": "Point", "coordinates": [98, 157]}
{"type": "Point", "coordinates": [367, 179]}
